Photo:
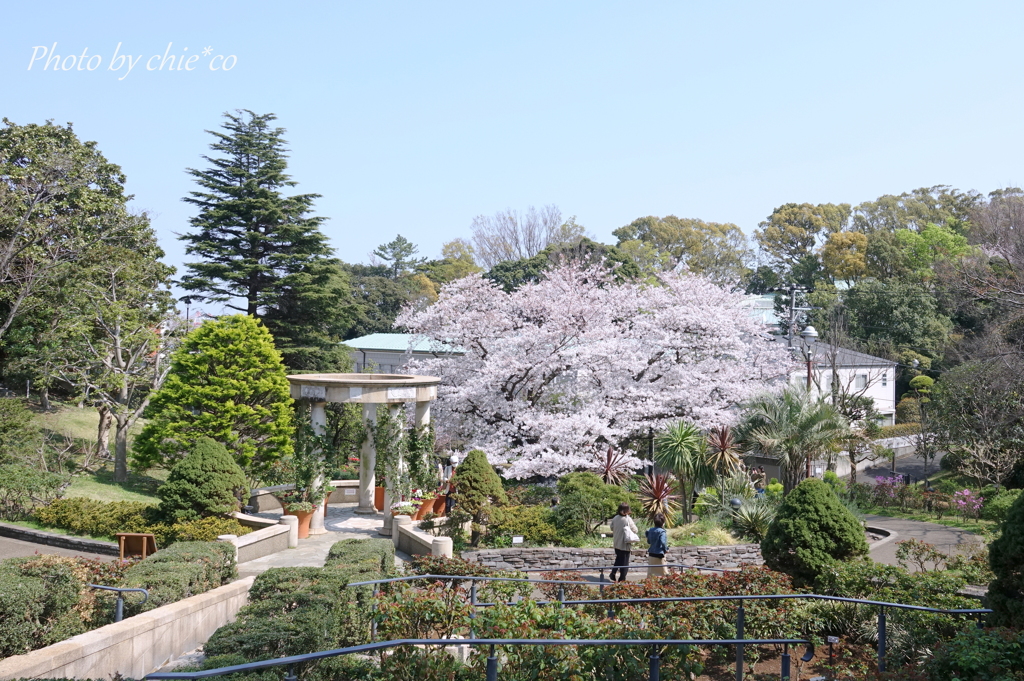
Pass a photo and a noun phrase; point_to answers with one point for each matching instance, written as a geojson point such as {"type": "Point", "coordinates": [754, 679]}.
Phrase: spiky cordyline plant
{"type": "Point", "coordinates": [723, 450]}
{"type": "Point", "coordinates": [656, 496]}
{"type": "Point", "coordinates": [614, 467]}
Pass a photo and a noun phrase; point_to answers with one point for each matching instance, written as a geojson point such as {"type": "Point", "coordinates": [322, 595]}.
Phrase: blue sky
{"type": "Point", "coordinates": [412, 118]}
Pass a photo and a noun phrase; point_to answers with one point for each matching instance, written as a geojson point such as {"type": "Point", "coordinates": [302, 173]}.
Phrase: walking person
{"type": "Point", "coordinates": [623, 535]}
{"type": "Point", "coordinates": [657, 541]}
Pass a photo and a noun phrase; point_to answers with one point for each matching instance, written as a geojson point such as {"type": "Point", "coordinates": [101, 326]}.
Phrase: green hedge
{"type": "Point", "coordinates": [899, 430]}
{"type": "Point", "coordinates": [89, 517]}
{"type": "Point", "coordinates": [361, 553]}
{"type": "Point", "coordinates": [299, 610]}
{"type": "Point", "coordinates": [180, 571]}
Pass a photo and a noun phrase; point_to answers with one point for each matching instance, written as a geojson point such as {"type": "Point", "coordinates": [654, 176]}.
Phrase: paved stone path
{"type": "Point", "coordinates": [949, 540]}
{"type": "Point", "coordinates": [341, 523]}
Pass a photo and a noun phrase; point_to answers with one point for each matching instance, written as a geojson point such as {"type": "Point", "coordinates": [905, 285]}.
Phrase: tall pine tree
{"type": "Point", "coordinates": [261, 252]}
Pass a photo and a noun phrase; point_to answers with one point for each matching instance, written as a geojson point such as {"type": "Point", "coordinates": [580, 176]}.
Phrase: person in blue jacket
{"type": "Point", "coordinates": [657, 539]}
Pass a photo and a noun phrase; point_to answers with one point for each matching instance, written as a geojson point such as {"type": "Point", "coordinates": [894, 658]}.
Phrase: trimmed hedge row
{"type": "Point", "coordinates": [179, 571]}
{"type": "Point", "coordinates": [45, 599]}
{"type": "Point", "coordinates": [90, 517]}
{"type": "Point", "coordinates": [299, 610]}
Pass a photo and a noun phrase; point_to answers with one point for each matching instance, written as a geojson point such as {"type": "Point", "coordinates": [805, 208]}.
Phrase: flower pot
{"type": "Point", "coordinates": [326, 499]}
{"type": "Point", "coordinates": [304, 518]}
{"type": "Point", "coordinates": [439, 505]}
{"type": "Point", "coordinates": [426, 506]}
{"type": "Point", "coordinates": [378, 498]}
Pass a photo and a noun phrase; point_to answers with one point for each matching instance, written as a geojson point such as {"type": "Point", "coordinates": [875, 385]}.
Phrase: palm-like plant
{"type": "Point", "coordinates": [723, 450]}
{"type": "Point", "coordinates": [793, 428]}
{"type": "Point", "coordinates": [682, 449]}
{"type": "Point", "coordinates": [656, 496]}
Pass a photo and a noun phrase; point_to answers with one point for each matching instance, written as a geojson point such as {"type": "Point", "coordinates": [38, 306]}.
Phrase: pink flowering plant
{"type": "Point", "coordinates": [968, 504]}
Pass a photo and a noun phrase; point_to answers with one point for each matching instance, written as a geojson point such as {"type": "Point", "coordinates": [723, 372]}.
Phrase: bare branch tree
{"type": "Point", "coordinates": [511, 235]}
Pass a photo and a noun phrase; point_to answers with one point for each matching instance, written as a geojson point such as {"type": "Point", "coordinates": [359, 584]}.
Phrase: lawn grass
{"type": "Point", "coordinates": [101, 486]}
{"type": "Point", "coordinates": [65, 420]}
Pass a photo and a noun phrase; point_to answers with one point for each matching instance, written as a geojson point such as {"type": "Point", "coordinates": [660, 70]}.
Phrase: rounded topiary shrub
{"type": "Point", "coordinates": [1006, 557]}
{"type": "Point", "coordinates": [207, 482]}
{"type": "Point", "coordinates": [811, 532]}
{"type": "Point", "coordinates": [477, 489]}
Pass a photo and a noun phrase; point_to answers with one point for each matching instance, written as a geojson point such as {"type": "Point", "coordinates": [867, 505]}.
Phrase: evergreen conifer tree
{"type": "Point", "coordinates": [261, 252]}
{"type": "Point", "coordinates": [207, 482]}
{"type": "Point", "coordinates": [477, 489]}
{"type": "Point", "coordinates": [1006, 558]}
{"type": "Point", "coordinates": [227, 382]}
{"type": "Point", "coordinates": [811, 531]}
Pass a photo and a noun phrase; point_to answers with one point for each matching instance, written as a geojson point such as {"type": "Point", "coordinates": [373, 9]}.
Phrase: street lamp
{"type": "Point", "coordinates": [809, 336]}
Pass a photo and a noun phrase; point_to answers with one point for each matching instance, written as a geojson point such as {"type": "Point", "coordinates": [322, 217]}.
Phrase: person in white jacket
{"type": "Point", "coordinates": [619, 523]}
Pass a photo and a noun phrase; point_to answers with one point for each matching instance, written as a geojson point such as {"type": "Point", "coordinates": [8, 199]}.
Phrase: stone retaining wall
{"type": "Point", "coordinates": [720, 557]}
{"type": "Point", "coordinates": [59, 540]}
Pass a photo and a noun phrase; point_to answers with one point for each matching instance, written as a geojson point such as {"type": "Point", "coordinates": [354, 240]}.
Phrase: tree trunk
{"type": "Point", "coordinates": [44, 398]}
{"type": "Point", "coordinates": [103, 432]}
{"type": "Point", "coordinates": [121, 449]}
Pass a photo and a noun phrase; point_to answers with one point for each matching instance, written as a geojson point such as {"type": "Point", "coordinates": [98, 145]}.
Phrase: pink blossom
{"type": "Point", "coordinates": [560, 365]}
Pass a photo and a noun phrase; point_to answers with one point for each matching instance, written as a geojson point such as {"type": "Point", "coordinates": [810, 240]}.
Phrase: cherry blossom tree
{"type": "Point", "coordinates": [559, 369]}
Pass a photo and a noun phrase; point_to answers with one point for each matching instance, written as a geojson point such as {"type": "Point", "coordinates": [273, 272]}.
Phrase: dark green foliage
{"type": "Point", "coordinates": [217, 558]}
{"type": "Point", "coordinates": [22, 486]}
{"type": "Point", "coordinates": [293, 611]}
{"type": "Point", "coordinates": [811, 532]}
{"type": "Point", "coordinates": [533, 523]}
{"type": "Point", "coordinates": [998, 505]}
{"type": "Point", "coordinates": [249, 235]}
{"type": "Point", "coordinates": [207, 482]}
{"type": "Point", "coordinates": [19, 433]}
{"type": "Point", "coordinates": [512, 274]}
{"type": "Point", "coordinates": [180, 571]}
{"type": "Point", "coordinates": [255, 243]}
{"type": "Point", "coordinates": [477, 490]}
{"type": "Point", "coordinates": [1006, 557]}
{"type": "Point", "coordinates": [895, 314]}
{"type": "Point", "coordinates": [377, 552]}
{"type": "Point", "coordinates": [37, 601]}
{"type": "Point", "coordinates": [586, 503]}
{"type": "Point", "coordinates": [978, 655]}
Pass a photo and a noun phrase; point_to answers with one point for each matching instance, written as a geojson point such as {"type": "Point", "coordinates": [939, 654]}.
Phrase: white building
{"type": "Point", "coordinates": [853, 373]}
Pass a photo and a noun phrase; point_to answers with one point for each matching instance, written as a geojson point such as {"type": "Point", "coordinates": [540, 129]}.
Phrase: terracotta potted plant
{"type": "Point", "coordinates": [327, 497]}
{"type": "Point", "coordinates": [378, 498]}
{"type": "Point", "coordinates": [295, 504]}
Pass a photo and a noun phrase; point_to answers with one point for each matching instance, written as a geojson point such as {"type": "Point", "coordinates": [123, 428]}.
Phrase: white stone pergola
{"type": "Point", "coordinates": [369, 390]}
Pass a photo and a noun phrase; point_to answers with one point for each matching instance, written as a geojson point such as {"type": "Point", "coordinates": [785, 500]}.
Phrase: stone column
{"type": "Point", "coordinates": [367, 464]}
{"type": "Point", "coordinates": [318, 417]}
{"type": "Point", "coordinates": [389, 493]}
{"type": "Point", "coordinates": [422, 414]}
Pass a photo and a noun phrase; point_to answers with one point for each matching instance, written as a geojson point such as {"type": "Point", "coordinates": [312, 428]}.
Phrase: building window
{"type": "Point", "coordinates": [861, 381]}
{"type": "Point", "coordinates": [885, 378]}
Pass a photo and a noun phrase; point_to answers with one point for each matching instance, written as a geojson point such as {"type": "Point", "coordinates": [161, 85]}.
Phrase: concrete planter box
{"type": "Point", "coordinates": [138, 645]}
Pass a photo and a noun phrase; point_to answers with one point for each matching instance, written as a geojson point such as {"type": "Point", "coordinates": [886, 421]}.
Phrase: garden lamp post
{"type": "Point", "coordinates": [809, 335]}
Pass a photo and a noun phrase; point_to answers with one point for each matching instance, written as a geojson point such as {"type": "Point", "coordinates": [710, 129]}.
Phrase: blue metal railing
{"type": "Point", "coordinates": [654, 672]}
{"type": "Point", "coordinates": [654, 658]}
